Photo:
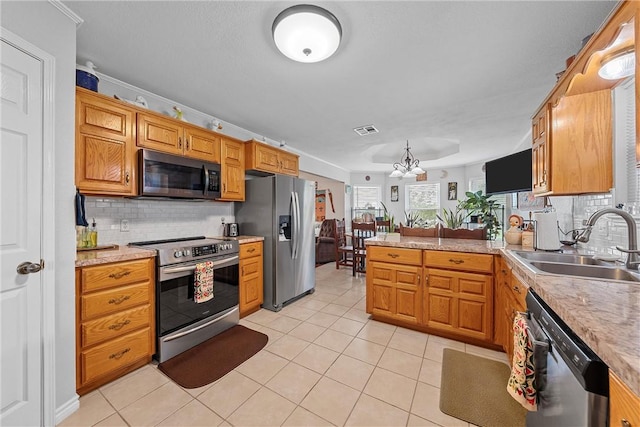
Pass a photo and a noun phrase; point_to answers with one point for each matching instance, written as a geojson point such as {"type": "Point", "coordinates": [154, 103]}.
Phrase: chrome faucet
{"type": "Point", "coordinates": [633, 258]}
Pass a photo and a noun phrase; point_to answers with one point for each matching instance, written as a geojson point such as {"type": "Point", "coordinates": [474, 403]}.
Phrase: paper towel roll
{"type": "Point", "coordinates": [546, 231]}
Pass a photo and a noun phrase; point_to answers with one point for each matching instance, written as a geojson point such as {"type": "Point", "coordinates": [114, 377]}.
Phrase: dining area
{"type": "Point", "coordinates": [350, 249]}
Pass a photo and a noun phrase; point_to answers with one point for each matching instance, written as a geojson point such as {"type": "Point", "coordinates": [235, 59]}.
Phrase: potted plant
{"type": "Point", "coordinates": [452, 219]}
{"type": "Point", "coordinates": [478, 203]}
{"type": "Point", "coordinates": [388, 217]}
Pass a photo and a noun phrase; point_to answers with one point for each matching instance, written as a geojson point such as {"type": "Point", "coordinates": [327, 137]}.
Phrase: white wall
{"type": "Point", "coordinates": [46, 27]}
{"type": "Point", "coordinates": [397, 209]}
{"type": "Point", "coordinates": [337, 191]}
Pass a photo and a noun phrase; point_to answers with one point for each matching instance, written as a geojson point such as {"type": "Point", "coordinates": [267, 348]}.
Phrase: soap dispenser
{"type": "Point", "coordinates": [93, 234]}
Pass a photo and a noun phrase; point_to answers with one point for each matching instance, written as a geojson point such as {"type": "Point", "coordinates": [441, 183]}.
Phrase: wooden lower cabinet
{"type": "Point", "coordinates": [115, 321]}
{"type": "Point", "coordinates": [458, 296]}
{"type": "Point", "coordinates": [410, 287]}
{"type": "Point", "coordinates": [251, 278]}
{"type": "Point", "coordinates": [395, 291]}
{"type": "Point", "coordinates": [624, 405]}
{"type": "Point", "coordinates": [510, 299]}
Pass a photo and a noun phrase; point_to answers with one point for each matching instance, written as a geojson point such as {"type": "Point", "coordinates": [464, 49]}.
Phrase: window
{"type": "Point", "coordinates": [366, 203]}
{"type": "Point", "coordinates": [423, 199]}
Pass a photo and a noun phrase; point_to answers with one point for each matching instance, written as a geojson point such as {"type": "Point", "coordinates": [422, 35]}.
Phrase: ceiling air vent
{"type": "Point", "coordinates": [366, 130]}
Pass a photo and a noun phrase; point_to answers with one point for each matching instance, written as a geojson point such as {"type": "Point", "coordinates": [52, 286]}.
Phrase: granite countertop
{"type": "Point", "coordinates": [241, 239]}
{"type": "Point", "coordinates": [604, 314]}
{"type": "Point", "coordinates": [105, 256]}
{"type": "Point", "coordinates": [438, 244]}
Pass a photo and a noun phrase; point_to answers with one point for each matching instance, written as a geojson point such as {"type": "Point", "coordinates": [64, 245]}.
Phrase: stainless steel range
{"type": "Point", "coordinates": [182, 323]}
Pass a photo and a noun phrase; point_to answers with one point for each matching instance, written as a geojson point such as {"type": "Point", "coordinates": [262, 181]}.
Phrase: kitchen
{"type": "Point", "coordinates": [119, 209]}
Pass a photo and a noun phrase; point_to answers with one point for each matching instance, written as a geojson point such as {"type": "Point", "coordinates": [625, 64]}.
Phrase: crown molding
{"type": "Point", "coordinates": [68, 12]}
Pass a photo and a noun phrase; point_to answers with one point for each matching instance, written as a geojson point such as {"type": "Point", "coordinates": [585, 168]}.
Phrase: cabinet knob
{"type": "Point", "coordinates": [625, 423]}
{"type": "Point", "coordinates": [127, 177]}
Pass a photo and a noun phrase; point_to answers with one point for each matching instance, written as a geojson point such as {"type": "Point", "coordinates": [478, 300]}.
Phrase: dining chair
{"type": "Point", "coordinates": [344, 252]}
{"type": "Point", "coordinates": [360, 232]}
{"type": "Point", "coordinates": [383, 226]}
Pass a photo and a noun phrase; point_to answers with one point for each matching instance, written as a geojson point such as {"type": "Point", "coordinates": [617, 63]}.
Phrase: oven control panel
{"type": "Point", "coordinates": [214, 249]}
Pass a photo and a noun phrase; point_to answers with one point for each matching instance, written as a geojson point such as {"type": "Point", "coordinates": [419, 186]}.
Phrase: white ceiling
{"type": "Point", "coordinates": [447, 75]}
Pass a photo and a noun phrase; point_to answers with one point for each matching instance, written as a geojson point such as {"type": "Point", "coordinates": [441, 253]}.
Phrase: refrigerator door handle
{"type": "Point", "coordinates": [297, 226]}
{"type": "Point", "coordinates": [294, 219]}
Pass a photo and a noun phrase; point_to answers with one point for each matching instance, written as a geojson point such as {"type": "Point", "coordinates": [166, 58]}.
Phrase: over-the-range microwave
{"type": "Point", "coordinates": [166, 175]}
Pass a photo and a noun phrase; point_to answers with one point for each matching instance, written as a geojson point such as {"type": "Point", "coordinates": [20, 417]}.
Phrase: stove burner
{"type": "Point", "coordinates": [156, 242]}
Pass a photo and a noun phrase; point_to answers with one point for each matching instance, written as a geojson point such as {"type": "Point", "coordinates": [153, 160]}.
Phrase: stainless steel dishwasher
{"type": "Point", "coordinates": [575, 387]}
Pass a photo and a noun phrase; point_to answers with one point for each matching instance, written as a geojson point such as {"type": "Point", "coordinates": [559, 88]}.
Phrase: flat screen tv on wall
{"type": "Point", "coordinates": [509, 174]}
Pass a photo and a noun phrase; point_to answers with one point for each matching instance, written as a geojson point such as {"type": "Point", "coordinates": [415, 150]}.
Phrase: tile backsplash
{"type": "Point", "coordinates": [156, 219]}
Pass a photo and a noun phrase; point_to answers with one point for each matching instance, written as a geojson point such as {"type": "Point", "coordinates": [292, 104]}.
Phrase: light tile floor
{"type": "Point", "coordinates": [326, 363]}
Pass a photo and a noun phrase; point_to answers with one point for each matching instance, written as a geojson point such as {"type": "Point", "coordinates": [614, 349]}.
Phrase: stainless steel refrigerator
{"type": "Point", "coordinates": [281, 209]}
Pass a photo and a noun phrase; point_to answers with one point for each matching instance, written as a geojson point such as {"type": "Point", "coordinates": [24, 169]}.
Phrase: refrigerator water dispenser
{"type": "Point", "coordinates": [284, 227]}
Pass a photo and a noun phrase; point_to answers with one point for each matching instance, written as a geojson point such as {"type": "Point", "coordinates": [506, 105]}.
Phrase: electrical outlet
{"type": "Point", "coordinates": [124, 225]}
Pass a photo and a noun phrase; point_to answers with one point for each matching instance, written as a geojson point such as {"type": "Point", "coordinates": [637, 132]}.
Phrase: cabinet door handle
{"type": "Point", "coordinates": [625, 423]}
{"type": "Point", "coordinates": [119, 274]}
{"type": "Point", "coordinates": [242, 274]}
{"type": "Point", "coordinates": [119, 354]}
{"type": "Point", "coordinates": [127, 177]}
{"type": "Point", "coordinates": [119, 325]}
{"type": "Point", "coordinates": [251, 250]}
{"type": "Point", "coordinates": [224, 188]}
{"type": "Point", "coordinates": [186, 143]}
{"type": "Point", "coordinates": [394, 256]}
{"type": "Point", "coordinates": [179, 142]}
{"type": "Point", "coordinates": [456, 261]}
{"type": "Point", "coordinates": [517, 289]}
{"type": "Point", "coordinates": [119, 300]}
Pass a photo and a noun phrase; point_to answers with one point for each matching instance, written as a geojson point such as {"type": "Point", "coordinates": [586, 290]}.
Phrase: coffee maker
{"type": "Point", "coordinates": [231, 229]}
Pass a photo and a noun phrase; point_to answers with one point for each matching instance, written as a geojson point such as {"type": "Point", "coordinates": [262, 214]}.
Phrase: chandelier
{"type": "Point", "coordinates": [408, 166]}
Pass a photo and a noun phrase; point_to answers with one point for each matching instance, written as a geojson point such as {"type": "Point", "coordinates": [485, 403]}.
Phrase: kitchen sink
{"type": "Point", "coordinates": [582, 270]}
{"type": "Point", "coordinates": [558, 257]}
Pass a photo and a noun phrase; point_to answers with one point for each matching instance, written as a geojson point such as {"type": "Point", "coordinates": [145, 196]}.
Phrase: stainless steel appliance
{"type": "Point", "coordinates": [164, 175]}
{"type": "Point", "coordinates": [281, 209]}
{"type": "Point", "coordinates": [575, 389]}
{"type": "Point", "coordinates": [182, 323]}
{"type": "Point", "coordinates": [231, 229]}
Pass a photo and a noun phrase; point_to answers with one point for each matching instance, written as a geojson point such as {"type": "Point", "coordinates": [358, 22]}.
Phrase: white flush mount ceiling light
{"type": "Point", "coordinates": [618, 65]}
{"type": "Point", "coordinates": [306, 33]}
{"type": "Point", "coordinates": [407, 167]}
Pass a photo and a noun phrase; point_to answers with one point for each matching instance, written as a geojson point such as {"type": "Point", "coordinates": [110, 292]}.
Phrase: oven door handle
{"type": "Point", "coordinates": [197, 328]}
{"type": "Point", "coordinates": [193, 267]}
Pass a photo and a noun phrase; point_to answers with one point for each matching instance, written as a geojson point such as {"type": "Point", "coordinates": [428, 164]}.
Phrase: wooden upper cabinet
{"type": "Point", "coordinates": [579, 149]}
{"type": "Point", "coordinates": [582, 146]}
{"type": "Point", "coordinates": [265, 158]}
{"type": "Point", "coordinates": [232, 169]}
{"type": "Point", "coordinates": [174, 137]}
{"type": "Point", "coordinates": [105, 144]}
{"type": "Point", "coordinates": [201, 144]}
{"type": "Point", "coordinates": [539, 156]}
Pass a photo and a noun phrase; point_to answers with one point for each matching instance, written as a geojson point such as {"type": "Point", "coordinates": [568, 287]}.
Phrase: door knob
{"type": "Point", "coordinates": [30, 267]}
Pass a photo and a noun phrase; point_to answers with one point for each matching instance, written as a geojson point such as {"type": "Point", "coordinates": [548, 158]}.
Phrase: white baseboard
{"type": "Point", "coordinates": [68, 408]}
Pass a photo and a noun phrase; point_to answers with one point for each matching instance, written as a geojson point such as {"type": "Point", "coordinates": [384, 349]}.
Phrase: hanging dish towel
{"type": "Point", "coordinates": [80, 213]}
{"type": "Point", "coordinates": [521, 382]}
{"type": "Point", "coordinates": [203, 282]}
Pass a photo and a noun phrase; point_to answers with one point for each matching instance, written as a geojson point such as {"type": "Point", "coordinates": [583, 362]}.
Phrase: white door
{"type": "Point", "coordinates": [21, 139]}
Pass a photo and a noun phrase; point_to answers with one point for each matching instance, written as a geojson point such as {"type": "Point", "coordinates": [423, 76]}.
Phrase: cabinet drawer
{"type": "Point", "coordinates": [115, 354]}
{"type": "Point", "coordinates": [110, 275]}
{"type": "Point", "coordinates": [518, 290]}
{"type": "Point", "coordinates": [250, 267]}
{"type": "Point", "coordinates": [459, 261]}
{"type": "Point", "coordinates": [108, 302]}
{"type": "Point", "coordinates": [248, 250]}
{"type": "Point", "coordinates": [395, 255]}
{"type": "Point", "coordinates": [109, 327]}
